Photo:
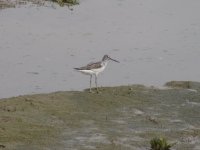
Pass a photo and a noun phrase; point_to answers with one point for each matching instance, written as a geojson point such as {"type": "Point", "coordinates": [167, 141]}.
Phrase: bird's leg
{"type": "Point", "coordinates": [96, 83]}
{"type": "Point", "coordinates": [90, 82]}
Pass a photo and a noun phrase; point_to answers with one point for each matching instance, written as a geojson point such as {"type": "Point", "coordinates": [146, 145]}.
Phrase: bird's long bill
{"type": "Point", "coordinates": [114, 60]}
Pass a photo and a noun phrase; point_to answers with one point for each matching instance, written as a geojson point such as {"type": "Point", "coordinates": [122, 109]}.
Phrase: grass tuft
{"type": "Point", "coordinates": [67, 2]}
{"type": "Point", "coordinates": [160, 144]}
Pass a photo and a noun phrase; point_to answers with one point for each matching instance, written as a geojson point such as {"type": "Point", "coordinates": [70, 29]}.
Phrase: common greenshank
{"type": "Point", "coordinates": [95, 68]}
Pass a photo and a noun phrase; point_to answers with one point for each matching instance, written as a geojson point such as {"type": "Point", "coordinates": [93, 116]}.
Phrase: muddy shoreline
{"type": "Point", "coordinates": [124, 117]}
{"type": "Point", "coordinates": [155, 41]}
{"type": "Point", "coordinates": [4, 4]}
{"type": "Point", "coordinates": [16, 3]}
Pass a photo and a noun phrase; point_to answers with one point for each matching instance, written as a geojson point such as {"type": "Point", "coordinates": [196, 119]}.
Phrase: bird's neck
{"type": "Point", "coordinates": [104, 63]}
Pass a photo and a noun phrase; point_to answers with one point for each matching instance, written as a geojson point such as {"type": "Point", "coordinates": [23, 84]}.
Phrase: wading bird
{"type": "Point", "coordinates": [95, 69]}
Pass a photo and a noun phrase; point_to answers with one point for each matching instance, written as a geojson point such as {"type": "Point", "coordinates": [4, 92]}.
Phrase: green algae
{"type": "Point", "coordinates": [124, 117]}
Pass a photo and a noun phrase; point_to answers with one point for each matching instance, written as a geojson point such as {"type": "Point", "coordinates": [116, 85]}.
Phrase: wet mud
{"type": "Point", "coordinates": [123, 117]}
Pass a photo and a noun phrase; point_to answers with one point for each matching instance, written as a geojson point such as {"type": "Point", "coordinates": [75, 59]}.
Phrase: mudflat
{"type": "Point", "coordinates": [123, 117]}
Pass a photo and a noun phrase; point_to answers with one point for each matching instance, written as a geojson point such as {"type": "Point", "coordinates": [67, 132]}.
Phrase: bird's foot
{"type": "Point", "coordinates": [91, 91]}
{"type": "Point", "coordinates": [98, 92]}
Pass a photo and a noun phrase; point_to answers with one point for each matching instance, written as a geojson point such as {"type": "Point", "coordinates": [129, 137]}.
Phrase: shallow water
{"type": "Point", "coordinates": [155, 41]}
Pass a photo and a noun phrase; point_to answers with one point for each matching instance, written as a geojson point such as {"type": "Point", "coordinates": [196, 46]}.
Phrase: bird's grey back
{"type": "Point", "coordinates": [90, 66]}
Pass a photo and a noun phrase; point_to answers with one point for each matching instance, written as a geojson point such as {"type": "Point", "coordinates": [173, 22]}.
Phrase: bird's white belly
{"type": "Point", "coordinates": [87, 72]}
{"type": "Point", "coordinates": [98, 70]}
{"type": "Point", "coordinates": [92, 71]}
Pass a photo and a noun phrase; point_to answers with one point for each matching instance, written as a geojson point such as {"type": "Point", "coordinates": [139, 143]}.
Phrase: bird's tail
{"type": "Point", "coordinates": [76, 69]}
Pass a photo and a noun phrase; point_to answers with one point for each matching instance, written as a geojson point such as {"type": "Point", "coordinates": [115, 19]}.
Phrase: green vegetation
{"type": "Point", "coordinates": [67, 2]}
{"type": "Point", "coordinates": [160, 144]}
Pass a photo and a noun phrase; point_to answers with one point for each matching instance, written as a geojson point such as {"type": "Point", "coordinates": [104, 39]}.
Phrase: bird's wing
{"type": "Point", "coordinates": [81, 68]}
{"type": "Point", "coordinates": [90, 66]}
{"type": "Point", "coordinates": [93, 65]}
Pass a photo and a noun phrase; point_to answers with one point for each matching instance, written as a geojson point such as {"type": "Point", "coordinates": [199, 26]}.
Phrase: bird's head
{"type": "Point", "coordinates": [107, 58]}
